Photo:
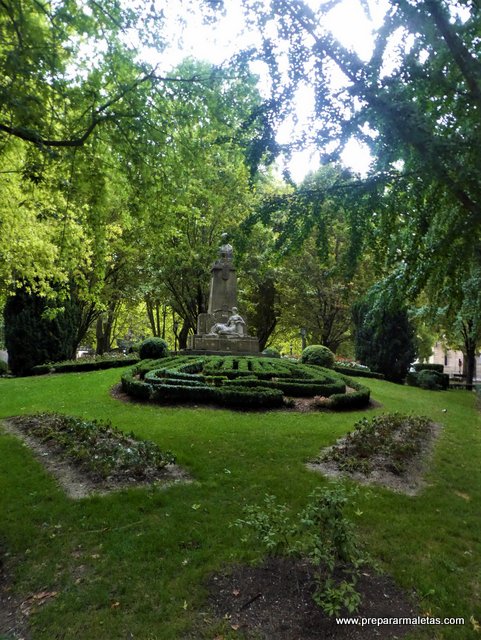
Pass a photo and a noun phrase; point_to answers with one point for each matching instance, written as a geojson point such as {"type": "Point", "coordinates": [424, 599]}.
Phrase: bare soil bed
{"type": "Point", "coordinates": [274, 601]}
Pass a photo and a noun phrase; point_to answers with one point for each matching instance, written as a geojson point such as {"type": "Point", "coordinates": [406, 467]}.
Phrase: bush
{"type": "Point", "coordinates": [318, 355]}
{"type": "Point", "coordinates": [428, 379]}
{"type": "Point", "coordinates": [153, 348]}
{"type": "Point", "coordinates": [3, 367]}
{"type": "Point", "coordinates": [270, 352]}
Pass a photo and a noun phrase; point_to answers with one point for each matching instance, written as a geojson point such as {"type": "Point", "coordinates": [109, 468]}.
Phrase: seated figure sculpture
{"type": "Point", "coordinates": [233, 327]}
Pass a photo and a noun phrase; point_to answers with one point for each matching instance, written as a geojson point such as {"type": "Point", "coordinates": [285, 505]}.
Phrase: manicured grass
{"type": "Point", "coordinates": [134, 562]}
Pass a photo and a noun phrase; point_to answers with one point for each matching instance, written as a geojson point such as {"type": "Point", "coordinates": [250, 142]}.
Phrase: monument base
{"type": "Point", "coordinates": [224, 344]}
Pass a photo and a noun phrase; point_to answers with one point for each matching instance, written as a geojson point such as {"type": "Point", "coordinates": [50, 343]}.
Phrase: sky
{"type": "Point", "coordinates": [217, 42]}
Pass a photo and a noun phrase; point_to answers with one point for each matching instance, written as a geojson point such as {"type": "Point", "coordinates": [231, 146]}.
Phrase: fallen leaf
{"type": "Point", "coordinates": [185, 605]}
{"type": "Point", "coordinates": [235, 626]}
{"type": "Point", "coordinates": [475, 623]}
{"type": "Point", "coordinates": [236, 592]}
{"type": "Point", "coordinates": [115, 605]}
{"type": "Point", "coordinates": [196, 506]}
{"type": "Point", "coordinates": [462, 495]}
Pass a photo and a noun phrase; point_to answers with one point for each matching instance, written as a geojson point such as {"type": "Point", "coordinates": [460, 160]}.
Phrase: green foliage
{"type": "Point", "coordinates": [384, 337]}
{"type": "Point", "coordinates": [320, 533]}
{"type": "Point", "coordinates": [270, 352]}
{"type": "Point", "coordinates": [428, 379]}
{"type": "Point", "coordinates": [153, 348]}
{"type": "Point", "coordinates": [389, 441]}
{"type": "Point", "coordinates": [241, 381]}
{"type": "Point", "coordinates": [318, 355]}
{"type": "Point", "coordinates": [358, 399]}
{"type": "Point", "coordinates": [37, 332]}
{"type": "Point", "coordinates": [84, 364]}
{"type": "Point", "coordinates": [3, 367]}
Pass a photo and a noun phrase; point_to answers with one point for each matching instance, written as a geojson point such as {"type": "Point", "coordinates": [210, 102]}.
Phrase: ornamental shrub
{"type": "Point", "coordinates": [270, 352]}
{"type": "Point", "coordinates": [3, 367]}
{"type": "Point", "coordinates": [153, 348]}
{"type": "Point", "coordinates": [319, 355]}
{"type": "Point", "coordinates": [427, 366]}
{"type": "Point", "coordinates": [428, 379]}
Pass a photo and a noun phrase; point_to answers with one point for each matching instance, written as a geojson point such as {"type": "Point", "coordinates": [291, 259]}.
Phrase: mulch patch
{"type": "Point", "coordinates": [274, 601]}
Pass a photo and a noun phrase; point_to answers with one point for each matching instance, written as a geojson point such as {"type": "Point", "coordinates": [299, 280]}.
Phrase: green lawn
{"type": "Point", "coordinates": [133, 564]}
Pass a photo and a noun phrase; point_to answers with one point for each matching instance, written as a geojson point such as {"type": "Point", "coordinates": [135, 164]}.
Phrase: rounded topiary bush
{"type": "Point", "coordinates": [270, 352]}
{"type": "Point", "coordinates": [319, 355]}
{"type": "Point", "coordinates": [153, 348]}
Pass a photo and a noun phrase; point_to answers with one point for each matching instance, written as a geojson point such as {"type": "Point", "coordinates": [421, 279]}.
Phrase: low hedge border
{"type": "Point", "coordinates": [419, 366]}
{"type": "Point", "coordinates": [358, 399]}
{"type": "Point", "coordinates": [78, 365]}
{"type": "Point", "coordinates": [351, 371]}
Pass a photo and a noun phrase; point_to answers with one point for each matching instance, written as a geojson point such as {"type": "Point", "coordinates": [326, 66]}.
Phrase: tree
{"type": "Point", "coordinates": [384, 337]}
{"type": "Point", "coordinates": [37, 332]}
{"type": "Point", "coordinates": [419, 111]}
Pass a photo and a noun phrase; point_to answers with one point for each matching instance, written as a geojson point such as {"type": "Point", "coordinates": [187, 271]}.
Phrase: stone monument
{"type": "Point", "coordinates": [222, 329]}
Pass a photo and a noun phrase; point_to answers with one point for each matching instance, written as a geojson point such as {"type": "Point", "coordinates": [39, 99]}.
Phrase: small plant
{"type": "Point", "coordinates": [153, 348]}
{"type": "Point", "coordinates": [318, 355]}
{"type": "Point", "coordinates": [320, 533]}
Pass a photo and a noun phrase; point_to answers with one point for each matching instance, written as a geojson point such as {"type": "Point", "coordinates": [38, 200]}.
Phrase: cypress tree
{"type": "Point", "coordinates": [38, 331]}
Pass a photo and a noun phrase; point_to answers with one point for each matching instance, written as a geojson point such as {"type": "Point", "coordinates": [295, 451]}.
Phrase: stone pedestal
{"type": "Point", "coordinates": [223, 287]}
{"type": "Point", "coordinates": [223, 344]}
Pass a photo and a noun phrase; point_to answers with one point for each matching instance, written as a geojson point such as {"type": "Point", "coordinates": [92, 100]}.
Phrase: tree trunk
{"type": "Point", "coordinates": [103, 329]}
{"type": "Point", "coordinates": [183, 333]}
{"type": "Point", "coordinates": [469, 353]}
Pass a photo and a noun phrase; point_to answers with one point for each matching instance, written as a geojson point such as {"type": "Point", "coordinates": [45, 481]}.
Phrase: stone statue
{"type": "Point", "coordinates": [235, 326]}
{"type": "Point", "coordinates": [225, 250]}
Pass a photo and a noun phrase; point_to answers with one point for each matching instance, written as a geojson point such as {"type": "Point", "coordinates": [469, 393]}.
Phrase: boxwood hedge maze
{"type": "Point", "coordinates": [239, 381]}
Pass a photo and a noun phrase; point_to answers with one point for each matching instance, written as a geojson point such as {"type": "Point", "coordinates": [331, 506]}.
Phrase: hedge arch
{"type": "Point", "coordinates": [240, 381]}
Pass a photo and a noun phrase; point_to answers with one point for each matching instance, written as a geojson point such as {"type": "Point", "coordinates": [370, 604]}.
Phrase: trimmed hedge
{"type": "Point", "coordinates": [270, 352]}
{"type": "Point", "coordinates": [319, 355]}
{"type": "Point", "coordinates": [153, 348]}
{"type": "Point", "coordinates": [419, 366]}
{"type": "Point", "coordinates": [360, 373]}
{"type": "Point", "coordinates": [71, 366]}
{"type": "Point", "coordinates": [358, 399]}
